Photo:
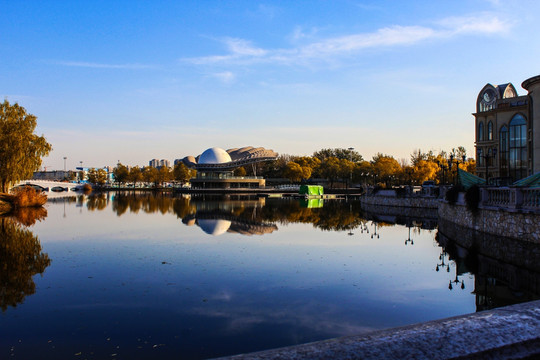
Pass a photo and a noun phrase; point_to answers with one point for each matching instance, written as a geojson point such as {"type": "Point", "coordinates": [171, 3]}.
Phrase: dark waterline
{"type": "Point", "coordinates": [144, 276]}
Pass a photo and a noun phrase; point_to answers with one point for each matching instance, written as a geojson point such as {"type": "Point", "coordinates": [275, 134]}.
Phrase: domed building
{"type": "Point", "coordinates": [215, 167]}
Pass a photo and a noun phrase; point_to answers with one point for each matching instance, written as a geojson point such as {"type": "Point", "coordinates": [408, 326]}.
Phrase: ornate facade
{"type": "Point", "coordinates": [507, 136]}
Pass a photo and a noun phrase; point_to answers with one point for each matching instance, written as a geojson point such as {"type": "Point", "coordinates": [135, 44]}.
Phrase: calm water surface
{"type": "Point", "coordinates": [143, 276]}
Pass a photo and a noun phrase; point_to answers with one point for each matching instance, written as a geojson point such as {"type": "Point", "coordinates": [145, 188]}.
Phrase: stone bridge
{"type": "Point", "coordinates": [47, 185]}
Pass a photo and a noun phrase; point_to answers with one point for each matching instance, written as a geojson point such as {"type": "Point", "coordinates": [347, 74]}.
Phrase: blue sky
{"type": "Point", "coordinates": [136, 80]}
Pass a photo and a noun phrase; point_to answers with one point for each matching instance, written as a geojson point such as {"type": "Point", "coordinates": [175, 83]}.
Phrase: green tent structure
{"type": "Point", "coordinates": [311, 190]}
{"type": "Point", "coordinates": [529, 181]}
{"type": "Point", "coordinates": [467, 179]}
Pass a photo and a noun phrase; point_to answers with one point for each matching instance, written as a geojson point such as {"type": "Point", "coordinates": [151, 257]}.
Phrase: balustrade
{"type": "Point", "coordinates": [511, 198]}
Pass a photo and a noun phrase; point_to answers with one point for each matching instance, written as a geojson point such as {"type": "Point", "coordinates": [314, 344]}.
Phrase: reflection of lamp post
{"type": "Point", "coordinates": [363, 228]}
{"type": "Point", "coordinates": [375, 231]}
{"type": "Point", "coordinates": [442, 264]}
{"type": "Point", "coordinates": [409, 240]}
{"type": "Point", "coordinates": [456, 281]}
{"type": "Point", "coordinates": [447, 266]}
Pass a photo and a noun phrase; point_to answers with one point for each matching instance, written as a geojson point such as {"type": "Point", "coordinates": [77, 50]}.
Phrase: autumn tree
{"type": "Point", "coordinates": [163, 175]}
{"type": "Point", "coordinates": [183, 174]}
{"type": "Point", "coordinates": [135, 175]}
{"type": "Point", "coordinates": [338, 153]}
{"type": "Point", "coordinates": [363, 172]}
{"type": "Point", "coordinates": [121, 174]}
{"type": "Point", "coordinates": [385, 167]}
{"type": "Point", "coordinates": [330, 169]}
{"type": "Point", "coordinates": [425, 170]}
{"type": "Point", "coordinates": [149, 174]}
{"type": "Point", "coordinates": [20, 149]}
{"type": "Point", "coordinates": [296, 172]}
{"type": "Point", "coordinates": [97, 176]}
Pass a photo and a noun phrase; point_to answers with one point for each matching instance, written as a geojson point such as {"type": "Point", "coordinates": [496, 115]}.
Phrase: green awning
{"type": "Point", "coordinates": [467, 179]}
{"type": "Point", "coordinates": [529, 181]}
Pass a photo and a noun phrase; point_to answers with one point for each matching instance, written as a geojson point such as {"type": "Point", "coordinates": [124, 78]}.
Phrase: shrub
{"type": "Point", "coordinates": [452, 194]}
{"type": "Point", "coordinates": [472, 198]}
{"type": "Point", "coordinates": [87, 188]}
{"type": "Point", "coordinates": [27, 197]}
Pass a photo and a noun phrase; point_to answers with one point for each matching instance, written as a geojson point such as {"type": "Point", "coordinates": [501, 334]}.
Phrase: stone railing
{"type": "Point", "coordinates": [531, 199]}
{"type": "Point", "coordinates": [511, 198]}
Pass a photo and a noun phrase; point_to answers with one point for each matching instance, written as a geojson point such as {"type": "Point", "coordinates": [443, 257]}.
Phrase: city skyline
{"type": "Point", "coordinates": [136, 81]}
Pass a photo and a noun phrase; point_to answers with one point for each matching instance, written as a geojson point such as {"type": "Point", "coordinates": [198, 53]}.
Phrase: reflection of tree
{"type": "Point", "coordinates": [96, 202]}
{"type": "Point", "coordinates": [20, 259]}
{"type": "Point", "coordinates": [28, 216]}
{"type": "Point", "coordinates": [333, 216]}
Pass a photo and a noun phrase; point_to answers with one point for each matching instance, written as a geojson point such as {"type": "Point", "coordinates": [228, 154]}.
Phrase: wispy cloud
{"type": "Point", "coordinates": [241, 51]}
{"type": "Point", "coordinates": [104, 66]}
{"type": "Point", "coordinates": [225, 77]}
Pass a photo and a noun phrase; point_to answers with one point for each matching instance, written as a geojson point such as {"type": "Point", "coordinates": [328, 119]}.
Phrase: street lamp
{"type": "Point", "coordinates": [463, 160]}
{"type": "Point", "coordinates": [443, 168]}
{"type": "Point", "coordinates": [491, 153]}
{"type": "Point", "coordinates": [350, 158]}
{"type": "Point", "coordinates": [65, 158]}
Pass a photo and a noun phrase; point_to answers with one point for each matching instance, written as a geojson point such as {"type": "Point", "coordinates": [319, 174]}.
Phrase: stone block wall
{"type": "Point", "coordinates": [410, 202]}
{"type": "Point", "coordinates": [499, 222]}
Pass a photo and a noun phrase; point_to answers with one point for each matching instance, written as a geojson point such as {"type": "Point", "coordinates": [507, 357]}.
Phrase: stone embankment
{"type": "Point", "coordinates": [508, 223]}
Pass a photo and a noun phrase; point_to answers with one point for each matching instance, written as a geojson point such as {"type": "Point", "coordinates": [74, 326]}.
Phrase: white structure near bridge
{"type": "Point", "coordinates": [48, 185]}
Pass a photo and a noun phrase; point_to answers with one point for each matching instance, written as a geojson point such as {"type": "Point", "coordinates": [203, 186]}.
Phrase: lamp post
{"type": "Point", "coordinates": [350, 159]}
{"type": "Point", "coordinates": [491, 153]}
{"type": "Point", "coordinates": [65, 158]}
{"type": "Point", "coordinates": [443, 168]}
{"type": "Point", "coordinates": [463, 159]}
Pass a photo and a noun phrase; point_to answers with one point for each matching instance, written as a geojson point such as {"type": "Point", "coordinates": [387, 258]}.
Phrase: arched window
{"type": "Point", "coordinates": [503, 150]}
{"type": "Point", "coordinates": [518, 147]}
{"type": "Point", "coordinates": [481, 131]}
{"type": "Point", "coordinates": [490, 131]}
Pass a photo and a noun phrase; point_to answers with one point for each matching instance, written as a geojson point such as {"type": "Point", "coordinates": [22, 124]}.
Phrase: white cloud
{"type": "Point", "coordinates": [243, 52]}
{"type": "Point", "coordinates": [482, 24]}
{"type": "Point", "coordinates": [226, 76]}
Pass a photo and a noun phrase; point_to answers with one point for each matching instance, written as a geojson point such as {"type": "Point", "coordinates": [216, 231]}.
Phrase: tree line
{"type": "Point", "coordinates": [339, 167]}
{"type": "Point", "coordinates": [21, 152]}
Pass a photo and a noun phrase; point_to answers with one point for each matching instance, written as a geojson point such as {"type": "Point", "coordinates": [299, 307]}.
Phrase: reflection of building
{"type": "Point", "coordinates": [215, 167]}
{"type": "Point", "coordinates": [240, 216]}
{"type": "Point", "coordinates": [507, 131]}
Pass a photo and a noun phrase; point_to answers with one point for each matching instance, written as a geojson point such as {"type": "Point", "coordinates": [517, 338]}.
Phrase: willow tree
{"type": "Point", "coordinates": [20, 149]}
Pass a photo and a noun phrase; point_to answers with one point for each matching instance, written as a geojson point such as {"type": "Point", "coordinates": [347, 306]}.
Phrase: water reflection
{"type": "Point", "coordinates": [20, 257]}
{"type": "Point", "coordinates": [499, 281]}
{"type": "Point", "coordinates": [138, 275]}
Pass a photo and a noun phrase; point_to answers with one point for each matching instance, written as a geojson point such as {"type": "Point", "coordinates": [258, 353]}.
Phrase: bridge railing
{"type": "Point", "coordinates": [511, 198]}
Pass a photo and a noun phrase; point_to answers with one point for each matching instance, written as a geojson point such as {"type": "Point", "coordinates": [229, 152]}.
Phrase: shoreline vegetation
{"type": "Point", "coordinates": [26, 197]}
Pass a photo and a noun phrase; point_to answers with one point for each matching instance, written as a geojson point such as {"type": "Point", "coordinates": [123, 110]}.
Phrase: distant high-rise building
{"type": "Point", "coordinates": [154, 163]}
{"type": "Point", "coordinates": [159, 163]}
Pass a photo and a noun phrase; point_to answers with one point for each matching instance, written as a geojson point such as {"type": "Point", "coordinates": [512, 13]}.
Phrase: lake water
{"type": "Point", "coordinates": [158, 276]}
